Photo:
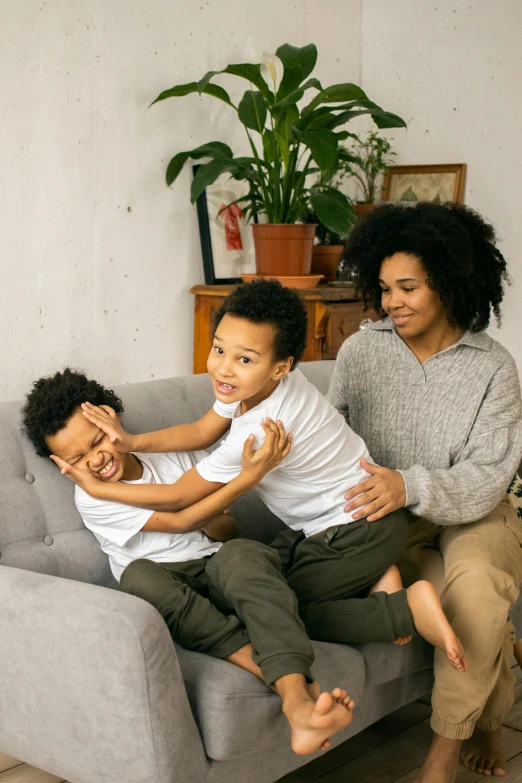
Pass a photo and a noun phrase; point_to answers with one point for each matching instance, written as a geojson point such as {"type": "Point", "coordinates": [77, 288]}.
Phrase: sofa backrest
{"type": "Point", "coordinates": [40, 529]}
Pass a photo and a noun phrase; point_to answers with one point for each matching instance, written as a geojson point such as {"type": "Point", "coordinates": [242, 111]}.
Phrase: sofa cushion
{"type": "Point", "coordinates": [237, 714]}
{"type": "Point", "coordinates": [385, 661]}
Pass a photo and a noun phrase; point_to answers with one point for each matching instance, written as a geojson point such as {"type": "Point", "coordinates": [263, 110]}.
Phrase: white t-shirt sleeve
{"type": "Point", "coordinates": [115, 522]}
{"type": "Point", "coordinates": [224, 464]}
{"type": "Point", "coordinates": [225, 409]}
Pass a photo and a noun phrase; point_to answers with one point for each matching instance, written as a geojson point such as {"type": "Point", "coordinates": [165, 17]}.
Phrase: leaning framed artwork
{"type": "Point", "coordinates": [438, 183]}
{"type": "Point", "coordinates": [227, 245]}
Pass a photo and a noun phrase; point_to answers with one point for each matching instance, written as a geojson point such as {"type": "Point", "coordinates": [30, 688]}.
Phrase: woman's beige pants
{"type": "Point", "coordinates": [477, 569]}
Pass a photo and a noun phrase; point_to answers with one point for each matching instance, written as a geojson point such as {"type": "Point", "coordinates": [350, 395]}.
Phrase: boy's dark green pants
{"type": "Point", "coordinates": [332, 572]}
{"type": "Point", "coordinates": [217, 604]}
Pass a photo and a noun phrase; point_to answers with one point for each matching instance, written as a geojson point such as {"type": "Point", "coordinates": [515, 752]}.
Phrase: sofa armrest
{"type": "Point", "coordinates": [90, 685]}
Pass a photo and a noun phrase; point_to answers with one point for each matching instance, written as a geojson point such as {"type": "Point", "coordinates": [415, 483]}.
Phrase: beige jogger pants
{"type": "Point", "coordinates": [477, 568]}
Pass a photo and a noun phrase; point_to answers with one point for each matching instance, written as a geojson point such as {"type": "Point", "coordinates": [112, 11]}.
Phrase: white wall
{"type": "Point", "coordinates": [97, 255]}
{"type": "Point", "coordinates": [453, 70]}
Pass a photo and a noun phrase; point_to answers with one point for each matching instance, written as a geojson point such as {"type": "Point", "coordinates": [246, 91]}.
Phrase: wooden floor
{"type": "Point", "coordinates": [390, 751]}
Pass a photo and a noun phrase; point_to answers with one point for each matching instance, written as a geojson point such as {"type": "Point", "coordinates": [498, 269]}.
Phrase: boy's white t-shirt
{"type": "Point", "coordinates": [307, 489]}
{"type": "Point", "coordinates": [118, 527]}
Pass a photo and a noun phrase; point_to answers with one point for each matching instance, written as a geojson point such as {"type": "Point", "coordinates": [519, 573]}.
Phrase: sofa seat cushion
{"type": "Point", "coordinates": [385, 661]}
{"type": "Point", "coordinates": [237, 714]}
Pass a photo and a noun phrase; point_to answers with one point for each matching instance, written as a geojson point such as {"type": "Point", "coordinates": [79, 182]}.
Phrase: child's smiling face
{"type": "Point", "coordinates": [85, 446]}
{"type": "Point", "coordinates": [241, 361]}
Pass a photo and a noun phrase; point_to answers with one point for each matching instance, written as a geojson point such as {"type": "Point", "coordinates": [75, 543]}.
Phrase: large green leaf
{"type": "Point", "coordinates": [333, 209]}
{"type": "Point", "coordinates": [322, 144]}
{"type": "Point", "coordinates": [252, 73]}
{"type": "Point", "coordinates": [296, 95]}
{"type": "Point", "coordinates": [336, 93]}
{"type": "Point", "coordinates": [269, 143]}
{"type": "Point", "coordinates": [214, 149]}
{"type": "Point", "coordinates": [252, 110]}
{"type": "Point", "coordinates": [186, 89]}
{"type": "Point", "coordinates": [299, 63]}
{"type": "Point", "coordinates": [208, 173]}
{"type": "Point", "coordinates": [286, 119]}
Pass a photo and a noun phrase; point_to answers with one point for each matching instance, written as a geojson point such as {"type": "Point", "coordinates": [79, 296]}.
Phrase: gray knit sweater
{"type": "Point", "coordinates": [451, 426]}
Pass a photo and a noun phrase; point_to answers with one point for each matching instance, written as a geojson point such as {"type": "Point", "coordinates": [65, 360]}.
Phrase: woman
{"type": "Point", "coordinates": [437, 401]}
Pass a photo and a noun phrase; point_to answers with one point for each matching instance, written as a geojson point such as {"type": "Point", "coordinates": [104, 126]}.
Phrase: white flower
{"type": "Point", "coordinates": [272, 70]}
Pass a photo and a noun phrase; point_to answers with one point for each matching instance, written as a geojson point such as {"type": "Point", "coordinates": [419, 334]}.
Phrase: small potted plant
{"type": "Point", "coordinates": [365, 161]}
{"type": "Point", "coordinates": [291, 136]}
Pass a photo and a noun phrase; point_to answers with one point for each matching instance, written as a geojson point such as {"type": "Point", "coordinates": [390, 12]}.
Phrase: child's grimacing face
{"type": "Point", "coordinates": [85, 446]}
{"type": "Point", "coordinates": [241, 361]}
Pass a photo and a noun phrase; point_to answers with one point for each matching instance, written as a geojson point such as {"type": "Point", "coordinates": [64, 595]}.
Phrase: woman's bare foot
{"type": "Point", "coordinates": [483, 753]}
{"type": "Point", "coordinates": [441, 763]}
{"type": "Point", "coordinates": [431, 623]}
{"type": "Point", "coordinates": [313, 720]}
{"type": "Point", "coordinates": [391, 582]}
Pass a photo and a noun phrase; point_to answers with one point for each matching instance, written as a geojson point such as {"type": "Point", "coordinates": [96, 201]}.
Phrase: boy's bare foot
{"type": "Point", "coordinates": [441, 763]}
{"type": "Point", "coordinates": [243, 659]}
{"type": "Point", "coordinates": [431, 623]}
{"type": "Point", "coordinates": [391, 582]}
{"type": "Point", "coordinates": [483, 753]}
{"type": "Point", "coordinates": [316, 718]}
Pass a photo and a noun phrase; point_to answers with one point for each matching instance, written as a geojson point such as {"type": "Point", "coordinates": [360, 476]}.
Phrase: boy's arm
{"type": "Point", "coordinates": [222, 527]}
{"type": "Point", "coordinates": [191, 487]}
{"type": "Point", "coordinates": [183, 437]}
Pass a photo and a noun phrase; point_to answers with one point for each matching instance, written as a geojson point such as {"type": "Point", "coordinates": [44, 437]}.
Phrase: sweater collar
{"type": "Point", "coordinates": [480, 340]}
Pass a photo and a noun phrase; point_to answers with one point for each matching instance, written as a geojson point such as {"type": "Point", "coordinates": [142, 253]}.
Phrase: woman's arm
{"type": "Point", "coordinates": [183, 437]}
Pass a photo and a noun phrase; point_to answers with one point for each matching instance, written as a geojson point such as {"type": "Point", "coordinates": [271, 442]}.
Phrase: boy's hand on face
{"type": "Point", "coordinates": [276, 446]}
{"type": "Point", "coordinates": [377, 496]}
{"type": "Point", "coordinates": [104, 417]}
{"type": "Point", "coordinates": [82, 478]}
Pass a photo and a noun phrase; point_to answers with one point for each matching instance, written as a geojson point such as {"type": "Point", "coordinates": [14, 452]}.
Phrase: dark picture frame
{"type": "Point", "coordinates": [213, 242]}
{"type": "Point", "coordinates": [436, 183]}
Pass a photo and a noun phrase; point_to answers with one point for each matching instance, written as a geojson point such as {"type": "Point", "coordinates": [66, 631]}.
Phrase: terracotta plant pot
{"type": "Point", "coordinates": [325, 260]}
{"type": "Point", "coordinates": [283, 248]}
{"type": "Point", "coordinates": [363, 210]}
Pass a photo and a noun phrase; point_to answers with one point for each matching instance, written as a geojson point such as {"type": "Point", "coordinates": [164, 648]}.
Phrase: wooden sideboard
{"type": "Point", "coordinates": [333, 315]}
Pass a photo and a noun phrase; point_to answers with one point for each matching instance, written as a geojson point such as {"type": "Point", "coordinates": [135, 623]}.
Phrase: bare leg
{"type": "Point", "coordinates": [441, 763]}
{"type": "Point", "coordinates": [431, 623]}
{"type": "Point", "coordinates": [313, 716]}
{"type": "Point", "coordinates": [391, 582]}
{"type": "Point", "coordinates": [483, 753]}
{"type": "Point", "coordinates": [243, 659]}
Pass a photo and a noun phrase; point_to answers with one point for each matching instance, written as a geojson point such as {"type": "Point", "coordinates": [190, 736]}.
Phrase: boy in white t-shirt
{"type": "Point", "coordinates": [341, 567]}
{"type": "Point", "coordinates": [227, 600]}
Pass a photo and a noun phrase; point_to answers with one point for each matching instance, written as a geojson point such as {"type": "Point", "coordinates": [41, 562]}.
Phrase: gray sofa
{"type": "Point", "coordinates": [91, 686]}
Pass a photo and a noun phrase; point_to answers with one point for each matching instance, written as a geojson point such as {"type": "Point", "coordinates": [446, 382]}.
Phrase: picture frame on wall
{"type": "Point", "coordinates": [227, 244]}
{"type": "Point", "coordinates": [436, 183]}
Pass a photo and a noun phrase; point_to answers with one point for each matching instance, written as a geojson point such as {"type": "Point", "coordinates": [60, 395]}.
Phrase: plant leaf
{"type": "Point", "coordinates": [252, 73]}
{"type": "Point", "coordinates": [299, 63]}
{"type": "Point", "coordinates": [186, 89]}
{"type": "Point", "coordinates": [333, 209]}
{"type": "Point", "coordinates": [322, 144]}
{"type": "Point", "coordinates": [336, 93]}
{"type": "Point", "coordinates": [208, 173]}
{"type": "Point", "coordinates": [252, 110]}
{"type": "Point", "coordinates": [213, 149]}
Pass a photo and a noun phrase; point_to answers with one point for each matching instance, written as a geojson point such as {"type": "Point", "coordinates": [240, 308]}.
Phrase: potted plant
{"type": "Point", "coordinates": [365, 161]}
{"type": "Point", "coordinates": [291, 136]}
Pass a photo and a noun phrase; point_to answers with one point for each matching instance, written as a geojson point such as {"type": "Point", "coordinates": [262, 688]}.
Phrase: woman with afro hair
{"type": "Point", "coordinates": [437, 401]}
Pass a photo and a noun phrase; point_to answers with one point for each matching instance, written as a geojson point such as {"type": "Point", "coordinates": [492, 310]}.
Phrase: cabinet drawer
{"type": "Point", "coordinates": [342, 320]}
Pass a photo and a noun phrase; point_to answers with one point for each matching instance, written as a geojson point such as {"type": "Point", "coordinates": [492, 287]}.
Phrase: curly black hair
{"type": "Point", "coordinates": [268, 302]}
{"type": "Point", "coordinates": [54, 399]}
{"type": "Point", "coordinates": [454, 244]}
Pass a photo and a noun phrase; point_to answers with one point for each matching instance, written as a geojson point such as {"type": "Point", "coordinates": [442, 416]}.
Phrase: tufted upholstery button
{"type": "Point", "coordinates": [48, 540]}
{"type": "Point", "coordinates": [29, 478]}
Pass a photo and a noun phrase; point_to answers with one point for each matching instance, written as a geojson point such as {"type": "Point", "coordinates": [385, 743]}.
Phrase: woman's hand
{"type": "Point", "coordinates": [276, 446]}
{"type": "Point", "coordinates": [108, 421]}
{"type": "Point", "coordinates": [379, 495]}
{"type": "Point", "coordinates": [82, 478]}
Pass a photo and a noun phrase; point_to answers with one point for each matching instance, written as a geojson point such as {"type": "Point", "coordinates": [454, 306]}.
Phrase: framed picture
{"type": "Point", "coordinates": [438, 183]}
{"type": "Point", "coordinates": [227, 244]}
